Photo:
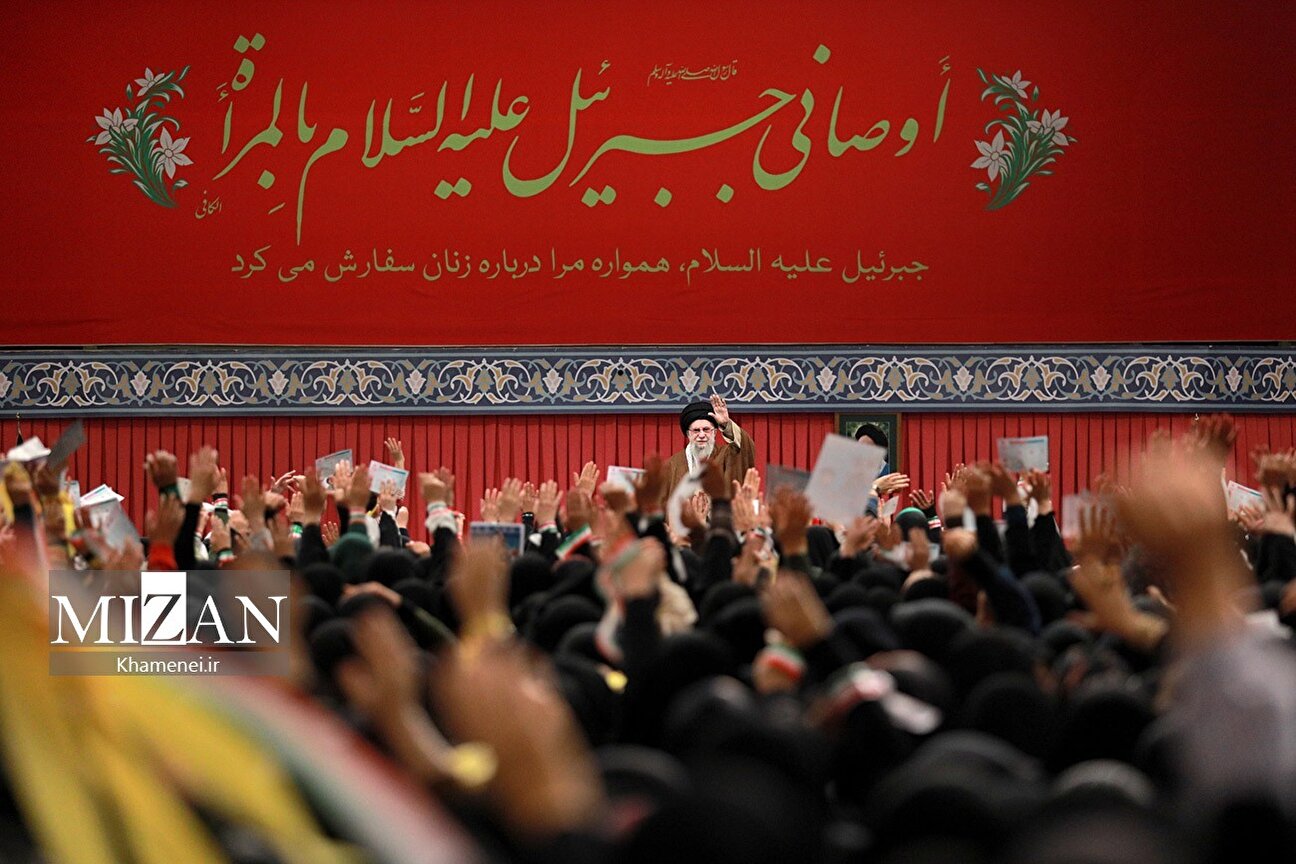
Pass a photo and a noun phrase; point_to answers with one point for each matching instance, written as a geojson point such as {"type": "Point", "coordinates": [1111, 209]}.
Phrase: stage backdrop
{"type": "Point", "coordinates": [483, 450]}
{"type": "Point", "coordinates": [511, 173]}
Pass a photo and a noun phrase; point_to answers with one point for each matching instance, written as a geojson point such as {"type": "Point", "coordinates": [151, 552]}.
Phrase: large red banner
{"type": "Point", "coordinates": [498, 173]}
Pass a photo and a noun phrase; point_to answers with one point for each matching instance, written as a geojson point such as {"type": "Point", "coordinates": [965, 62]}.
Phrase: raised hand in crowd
{"type": "Point", "coordinates": [546, 783]}
{"type": "Point", "coordinates": [887, 534]}
{"type": "Point", "coordinates": [860, 535]}
{"type": "Point", "coordinates": [285, 483]}
{"type": "Point", "coordinates": [530, 497]}
{"type": "Point", "coordinates": [253, 504]}
{"type": "Point", "coordinates": [696, 510]}
{"type": "Point", "coordinates": [617, 499]}
{"type": "Point", "coordinates": [46, 483]}
{"type": "Point", "coordinates": [1212, 437]}
{"type": "Point", "coordinates": [587, 479]}
{"type": "Point", "coordinates": [1249, 517]}
{"type": "Point", "coordinates": [790, 513]}
{"type": "Point", "coordinates": [579, 510]}
{"type": "Point", "coordinates": [1098, 581]}
{"type": "Point", "coordinates": [437, 486]}
{"type": "Point", "coordinates": [357, 493]}
{"type": "Point", "coordinates": [643, 568]}
{"type": "Point", "coordinates": [959, 544]}
{"type": "Point", "coordinates": [219, 539]}
{"type": "Point", "coordinates": [794, 609]}
{"type": "Point", "coordinates": [395, 453]}
{"type": "Point", "coordinates": [1003, 485]}
{"type": "Point", "coordinates": [955, 478]}
{"type": "Point", "coordinates": [313, 498]}
{"type": "Point", "coordinates": [1098, 541]}
{"type": "Point", "coordinates": [975, 482]}
{"type": "Point", "coordinates": [650, 487]}
{"type": "Point", "coordinates": [510, 500]}
{"type": "Point", "coordinates": [478, 586]}
{"type": "Point", "coordinates": [340, 480]}
{"type": "Point", "coordinates": [163, 524]}
{"type": "Point", "coordinates": [1040, 489]}
{"type": "Point", "coordinates": [387, 496]}
{"type": "Point", "coordinates": [747, 566]}
{"type": "Point", "coordinates": [889, 484]}
{"type": "Point", "coordinates": [296, 510]}
{"type": "Point", "coordinates": [952, 506]}
{"type": "Point", "coordinates": [161, 468]}
{"type": "Point", "coordinates": [1274, 469]}
{"type": "Point", "coordinates": [548, 499]}
{"type": "Point", "coordinates": [282, 543]}
{"type": "Point", "coordinates": [490, 505]}
{"type": "Point", "coordinates": [1279, 515]}
{"type": "Point", "coordinates": [713, 483]}
{"type": "Point", "coordinates": [1176, 512]}
{"type": "Point", "coordinates": [745, 517]}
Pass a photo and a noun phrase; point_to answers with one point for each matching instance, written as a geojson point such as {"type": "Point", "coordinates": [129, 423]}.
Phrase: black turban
{"type": "Point", "coordinates": [872, 432]}
{"type": "Point", "coordinates": [694, 412]}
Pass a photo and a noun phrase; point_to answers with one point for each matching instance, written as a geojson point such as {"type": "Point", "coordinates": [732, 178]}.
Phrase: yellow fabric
{"type": "Point", "coordinates": [6, 505]}
{"type": "Point", "coordinates": [102, 763]}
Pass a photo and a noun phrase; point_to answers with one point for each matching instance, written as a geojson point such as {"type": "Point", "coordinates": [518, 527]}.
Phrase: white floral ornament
{"type": "Point", "coordinates": [552, 380]}
{"type": "Point", "coordinates": [136, 142]}
{"type": "Point", "coordinates": [994, 157]}
{"type": "Point", "coordinates": [146, 82]}
{"type": "Point", "coordinates": [827, 378]}
{"type": "Point", "coordinates": [1051, 122]}
{"type": "Point", "coordinates": [1032, 140]}
{"type": "Point", "coordinates": [112, 122]}
{"type": "Point", "coordinates": [171, 153]}
{"type": "Point", "coordinates": [1015, 82]}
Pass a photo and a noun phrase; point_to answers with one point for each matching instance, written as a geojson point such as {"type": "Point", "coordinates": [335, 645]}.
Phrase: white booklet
{"type": "Point", "coordinates": [1024, 454]}
{"type": "Point", "coordinates": [100, 495]}
{"type": "Point", "coordinates": [378, 472]}
{"type": "Point", "coordinates": [842, 480]}
{"type": "Point", "coordinates": [1084, 502]}
{"type": "Point", "coordinates": [112, 523]}
{"type": "Point", "coordinates": [1240, 496]}
{"type": "Point", "coordinates": [777, 476]}
{"type": "Point", "coordinates": [324, 465]}
{"type": "Point", "coordinates": [624, 477]}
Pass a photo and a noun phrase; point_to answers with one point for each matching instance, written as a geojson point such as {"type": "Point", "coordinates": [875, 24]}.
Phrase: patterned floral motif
{"type": "Point", "coordinates": [250, 381]}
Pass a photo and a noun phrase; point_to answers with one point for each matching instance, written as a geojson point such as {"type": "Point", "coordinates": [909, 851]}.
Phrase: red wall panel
{"type": "Point", "coordinates": [482, 450]}
{"type": "Point", "coordinates": [1124, 230]}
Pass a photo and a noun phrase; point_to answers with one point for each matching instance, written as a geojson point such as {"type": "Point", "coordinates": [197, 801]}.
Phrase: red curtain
{"type": "Point", "coordinates": [483, 450]}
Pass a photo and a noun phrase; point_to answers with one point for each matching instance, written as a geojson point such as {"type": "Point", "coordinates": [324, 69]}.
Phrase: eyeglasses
{"type": "Point", "coordinates": [702, 432]}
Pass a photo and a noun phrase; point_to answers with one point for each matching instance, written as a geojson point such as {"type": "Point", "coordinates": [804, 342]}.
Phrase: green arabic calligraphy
{"type": "Point", "coordinates": [381, 142]}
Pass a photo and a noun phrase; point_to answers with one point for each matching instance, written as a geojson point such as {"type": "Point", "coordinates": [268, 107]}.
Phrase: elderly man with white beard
{"type": "Point", "coordinates": [700, 422]}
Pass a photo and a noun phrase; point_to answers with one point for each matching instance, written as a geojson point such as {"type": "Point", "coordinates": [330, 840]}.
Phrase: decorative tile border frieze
{"type": "Point", "coordinates": [233, 381]}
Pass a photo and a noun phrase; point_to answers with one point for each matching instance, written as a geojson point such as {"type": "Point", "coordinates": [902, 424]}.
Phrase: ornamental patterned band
{"type": "Point", "coordinates": [230, 381]}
